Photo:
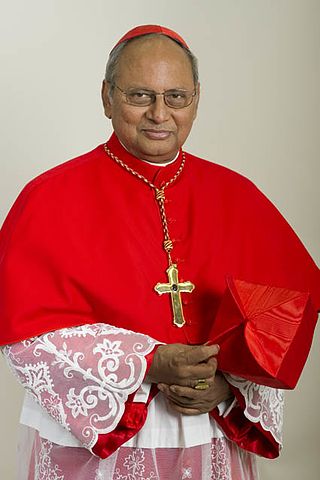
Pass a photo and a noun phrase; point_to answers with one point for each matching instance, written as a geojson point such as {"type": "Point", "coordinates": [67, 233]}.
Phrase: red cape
{"type": "Point", "coordinates": [83, 244]}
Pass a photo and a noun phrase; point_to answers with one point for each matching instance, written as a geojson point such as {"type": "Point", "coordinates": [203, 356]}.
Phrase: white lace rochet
{"type": "Point", "coordinates": [80, 379]}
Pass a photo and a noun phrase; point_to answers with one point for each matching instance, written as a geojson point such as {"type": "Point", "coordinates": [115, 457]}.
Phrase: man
{"type": "Point", "coordinates": [112, 269]}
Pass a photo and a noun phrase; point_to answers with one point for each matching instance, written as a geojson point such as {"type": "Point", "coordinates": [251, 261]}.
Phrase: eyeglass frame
{"type": "Point", "coordinates": [153, 96]}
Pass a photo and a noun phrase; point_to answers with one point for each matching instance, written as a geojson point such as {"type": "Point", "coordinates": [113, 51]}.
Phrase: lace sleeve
{"type": "Point", "coordinates": [263, 405]}
{"type": "Point", "coordinates": [82, 376]}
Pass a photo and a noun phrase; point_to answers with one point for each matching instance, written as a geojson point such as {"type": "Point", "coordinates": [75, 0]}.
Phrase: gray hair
{"type": "Point", "coordinates": [115, 54]}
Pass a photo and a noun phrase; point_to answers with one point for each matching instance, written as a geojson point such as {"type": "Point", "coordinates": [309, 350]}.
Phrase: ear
{"type": "Point", "coordinates": [196, 101]}
{"type": "Point", "coordinates": [107, 104]}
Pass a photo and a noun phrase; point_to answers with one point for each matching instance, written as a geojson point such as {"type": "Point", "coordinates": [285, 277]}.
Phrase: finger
{"type": "Point", "coordinates": [212, 361]}
{"type": "Point", "coordinates": [202, 370]}
{"type": "Point", "coordinates": [190, 391]}
{"type": "Point", "coordinates": [163, 387]}
{"type": "Point", "coordinates": [185, 410]}
{"type": "Point", "coordinates": [185, 401]}
{"type": "Point", "coordinates": [189, 396]}
{"type": "Point", "coordinates": [200, 353]}
{"type": "Point", "coordinates": [192, 374]}
{"type": "Point", "coordinates": [184, 396]}
{"type": "Point", "coordinates": [182, 400]}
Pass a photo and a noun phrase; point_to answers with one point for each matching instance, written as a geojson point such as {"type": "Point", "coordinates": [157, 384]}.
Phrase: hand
{"type": "Point", "coordinates": [183, 365]}
{"type": "Point", "coordinates": [189, 401]}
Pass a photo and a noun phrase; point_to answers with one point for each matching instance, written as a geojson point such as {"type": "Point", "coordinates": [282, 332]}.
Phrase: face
{"type": "Point", "coordinates": [155, 132]}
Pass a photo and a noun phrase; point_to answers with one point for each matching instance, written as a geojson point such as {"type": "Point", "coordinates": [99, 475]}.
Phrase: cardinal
{"type": "Point", "coordinates": [151, 300]}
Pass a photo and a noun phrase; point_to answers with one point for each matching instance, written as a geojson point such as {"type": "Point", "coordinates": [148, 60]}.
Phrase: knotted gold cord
{"type": "Point", "coordinates": [167, 243]}
{"type": "Point", "coordinates": [173, 287]}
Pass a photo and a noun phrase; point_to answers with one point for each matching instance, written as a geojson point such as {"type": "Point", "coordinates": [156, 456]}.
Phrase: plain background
{"type": "Point", "coordinates": [259, 114]}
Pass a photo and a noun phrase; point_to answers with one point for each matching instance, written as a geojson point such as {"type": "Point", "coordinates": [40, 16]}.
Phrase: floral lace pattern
{"type": "Point", "coordinates": [220, 460]}
{"type": "Point", "coordinates": [134, 467]}
{"type": "Point", "coordinates": [264, 405]}
{"type": "Point", "coordinates": [82, 376]}
{"type": "Point", "coordinates": [44, 470]}
{"type": "Point", "coordinates": [186, 473]}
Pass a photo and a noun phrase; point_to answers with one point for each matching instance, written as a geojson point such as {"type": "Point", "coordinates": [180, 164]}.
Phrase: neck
{"type": "Point", "coordinates": [162, 164]}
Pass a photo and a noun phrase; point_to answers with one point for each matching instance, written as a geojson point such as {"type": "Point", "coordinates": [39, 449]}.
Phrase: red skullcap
{"type": "Point", "coordinates": [147, 29]}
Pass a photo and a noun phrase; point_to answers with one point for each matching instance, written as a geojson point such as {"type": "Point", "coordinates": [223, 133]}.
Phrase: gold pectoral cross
{"type": "Point", "coordinates": [174, 288]}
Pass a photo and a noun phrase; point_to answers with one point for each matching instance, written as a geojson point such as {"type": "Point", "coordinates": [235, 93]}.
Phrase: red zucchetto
{"type": "Point", "coordinates": [147, 29]}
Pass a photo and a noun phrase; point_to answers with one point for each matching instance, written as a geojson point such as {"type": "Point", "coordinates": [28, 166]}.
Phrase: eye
{"type": "Point", "coordinates": [177, 98]}
{"type": "Point", "coordinates": [176, 95]}
{"type": "Point", "coordinates": [138, 96]}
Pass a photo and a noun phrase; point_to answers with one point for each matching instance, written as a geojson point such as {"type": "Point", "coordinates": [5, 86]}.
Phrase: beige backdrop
{"type": "Point", "coordinates": [260, 112]}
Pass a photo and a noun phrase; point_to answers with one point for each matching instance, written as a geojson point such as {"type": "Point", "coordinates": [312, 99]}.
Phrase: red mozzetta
{"type": "Point", "coordinates": [83, 244]}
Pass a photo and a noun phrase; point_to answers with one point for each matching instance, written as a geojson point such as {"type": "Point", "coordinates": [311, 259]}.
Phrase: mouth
{"type": "Point", "coordinates": [156, 134]}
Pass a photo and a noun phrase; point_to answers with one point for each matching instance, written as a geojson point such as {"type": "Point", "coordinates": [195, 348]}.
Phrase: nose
{"type": "Point", "coordinates": [158, 112]}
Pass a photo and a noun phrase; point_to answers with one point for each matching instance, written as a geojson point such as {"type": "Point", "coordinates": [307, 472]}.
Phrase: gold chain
{"type": "Point", "coordinates": [159, 195]}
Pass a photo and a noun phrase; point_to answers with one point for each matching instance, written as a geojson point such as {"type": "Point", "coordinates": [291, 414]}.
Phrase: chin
{"type": "Point", "coordinates": [158, 149]}
{"type": "Point", "coordinates": [158, 156]}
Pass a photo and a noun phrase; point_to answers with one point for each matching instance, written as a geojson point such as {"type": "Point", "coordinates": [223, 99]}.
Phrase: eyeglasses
{"type": "Point", "coordinates": [172, 98]}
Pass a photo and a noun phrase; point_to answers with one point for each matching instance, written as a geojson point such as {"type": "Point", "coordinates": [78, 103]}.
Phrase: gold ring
{"type": "Point", "coordinates": [201, 384]}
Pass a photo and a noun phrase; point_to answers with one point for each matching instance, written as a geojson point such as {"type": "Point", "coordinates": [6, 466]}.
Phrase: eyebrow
{"type": "Point", "coordinates": [148, 89]}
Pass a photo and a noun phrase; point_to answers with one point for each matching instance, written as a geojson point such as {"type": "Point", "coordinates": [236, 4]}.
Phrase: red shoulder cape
{"type": "Point", "coordinates": [83, 244]}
